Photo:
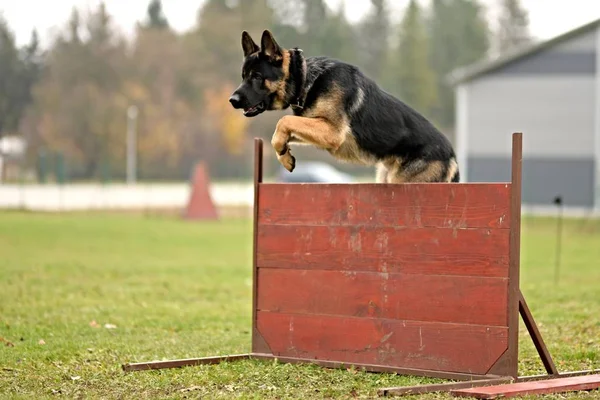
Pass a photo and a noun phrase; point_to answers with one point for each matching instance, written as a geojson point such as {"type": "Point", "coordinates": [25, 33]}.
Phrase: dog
{"type": "Point", "coordinates": [339, 109]}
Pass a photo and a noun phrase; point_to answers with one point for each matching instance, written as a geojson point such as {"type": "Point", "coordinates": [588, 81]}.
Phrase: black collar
{"type": "Point", "coordinates": [298, 72]}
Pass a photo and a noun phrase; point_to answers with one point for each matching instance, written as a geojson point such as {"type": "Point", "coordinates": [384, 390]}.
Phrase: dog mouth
{"type": "Point", "coordinates": [254, 110]}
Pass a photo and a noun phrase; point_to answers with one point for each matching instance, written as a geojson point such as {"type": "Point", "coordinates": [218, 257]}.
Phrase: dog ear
{"type": "Point", "coordinates": [248, 44]}
{"type": "Point", "coordinates": [269, 46]}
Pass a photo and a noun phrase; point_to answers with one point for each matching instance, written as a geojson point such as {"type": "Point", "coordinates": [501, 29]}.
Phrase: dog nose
{"type": "Point", "coordinates": [235, 100]}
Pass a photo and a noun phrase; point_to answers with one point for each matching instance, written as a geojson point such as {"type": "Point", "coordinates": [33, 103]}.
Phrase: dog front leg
{"type": "Point", "coordinates": [280, 142]}
{"type": "Point", "coordinates": [316, 131]}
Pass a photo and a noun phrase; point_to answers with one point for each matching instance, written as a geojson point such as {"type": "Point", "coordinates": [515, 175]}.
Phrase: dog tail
{"type": "Point", "coordinates": [456, 176]}
{"type": "Point", "coordinates": [452, 173]}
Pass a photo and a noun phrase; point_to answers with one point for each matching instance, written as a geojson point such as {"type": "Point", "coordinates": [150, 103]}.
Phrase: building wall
{"type": "Point", "coordinates": [550, 97]}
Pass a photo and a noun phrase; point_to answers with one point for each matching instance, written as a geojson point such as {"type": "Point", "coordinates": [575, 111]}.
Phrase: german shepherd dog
{"type": "Point", "coordinates": [338, 109]}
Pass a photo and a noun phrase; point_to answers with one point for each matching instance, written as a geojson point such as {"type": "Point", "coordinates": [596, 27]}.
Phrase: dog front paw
{"type": "Point", "coordinates": [287, 160]}
{"type": "Point", "coordinates": [279, 142]}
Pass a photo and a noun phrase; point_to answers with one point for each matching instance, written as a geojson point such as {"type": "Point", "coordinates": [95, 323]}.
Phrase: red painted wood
{"type": "Point", "coordinates": [408, 344]}
{"type": "Point", "coordinates": [476, 252]}
{"type": "Point", "coordinates": [466, 205]}
{"type": "Point", "coordinates": [558, 385]}
{"type": "Point", "coordinates": [469, 300]}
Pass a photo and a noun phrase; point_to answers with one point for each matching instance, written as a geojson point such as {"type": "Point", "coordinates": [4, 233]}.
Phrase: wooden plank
{"type": "Point", "coordinates": [474, 252]}
{"type": "Point", "coordinates": [434, 298]}
{"type": "Point", "coordinates": [258, 343]}
{"type": "Point", "coordinates": [468, 205]}
{"type": "Point", "coordinates": [558, 385]}
{"type": "Point", "coordinates": [510, 366]}
{"type": "Point", "coordinates": [507, 365]}
{"type": "Point", "coordinates": [528, 378]}
{"type": "Point", "coordinates": [420, 345]}
{"type": "Point", "coordinates": [441, 387]}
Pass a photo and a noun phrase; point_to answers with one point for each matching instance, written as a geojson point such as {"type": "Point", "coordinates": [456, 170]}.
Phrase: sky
{"type": "Point", "coordinates": [548, 18]}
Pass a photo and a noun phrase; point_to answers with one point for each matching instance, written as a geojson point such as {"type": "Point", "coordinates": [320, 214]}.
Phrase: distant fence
{"type": "Point", "coordinates": [143, 196]}
{"type": "Point", "coordinates": [73, 197]}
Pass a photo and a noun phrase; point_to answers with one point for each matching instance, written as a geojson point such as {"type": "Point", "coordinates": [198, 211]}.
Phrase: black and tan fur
{"type": "Point", "coordinates": [340, 110]}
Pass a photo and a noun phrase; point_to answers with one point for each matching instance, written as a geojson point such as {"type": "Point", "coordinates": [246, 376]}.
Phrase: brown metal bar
{"type": "Point", "coordinates": [187, 362]}
{"type": "Point", "coordinates": [373, 368]}
{"type": "Point", "coordinates": [536, 336]}
{"type": "Point", "coordinates": [258, 178]}
{"type": "Point", "coordinates": [559, 375]}
{"type": "Point", "coordinates": [512, 355]}
{"type": "Point", "coordinates": [291, 360]}
{"type": "Point", "coordinates": [442, 387]}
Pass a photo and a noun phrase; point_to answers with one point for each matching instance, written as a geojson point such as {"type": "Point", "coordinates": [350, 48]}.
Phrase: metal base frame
{"type": "Point", "coordinates": [144, 366]}
{"type": "Point", "coordinates": [464, 380]}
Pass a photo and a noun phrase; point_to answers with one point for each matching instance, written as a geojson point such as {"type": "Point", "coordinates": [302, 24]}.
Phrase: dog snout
{"type": "Point", "coordinates": [235, 100]}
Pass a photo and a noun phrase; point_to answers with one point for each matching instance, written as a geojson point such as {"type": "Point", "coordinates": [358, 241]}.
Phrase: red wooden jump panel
{"type": "Point", "coordinates": [418, 205]}
{"type": "Point", "coordinates": [408, 276]}
{"type": "Point", "coordinates": [477, 252]}
{"type": "Point", "coordinates": [558, 385]}
{"type": "Point", "coordinates": [421, 345]}
{"type": "Point", "coordinates": [434, 298]}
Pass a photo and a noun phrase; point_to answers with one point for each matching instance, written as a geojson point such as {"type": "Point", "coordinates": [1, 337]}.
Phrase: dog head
{"type": "Point", "coordinates": [264, 74]}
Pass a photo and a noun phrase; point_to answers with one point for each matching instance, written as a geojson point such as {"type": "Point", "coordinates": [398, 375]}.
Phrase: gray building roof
{"type": "Point", "coordinates": [470, 72]}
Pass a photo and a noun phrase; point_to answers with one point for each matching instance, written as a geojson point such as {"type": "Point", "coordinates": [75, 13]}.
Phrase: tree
{"type": "Point", "coordinates": [373, 34]}
{"type": "Point", "coordinates": [32, 49]}
{"type": "Point", "coordinates": [229, 122]}
{"type": "Point", "coordinates": [211, 61]}
{"type": "Point", "coordinates": [156, 16]}
{"type": "Point", "coordinates": [338, 39]}
{"type": "Point", "coordinates": [19, 71]}
{"type": "Point", "coordinates": [415, 82]}
{"type": "Point", "coordinates": [444, 45]}
{"type": "Point", "coordinates": [75, 109]}
{"type": "Point", "coordinates": [160, 87]}
{"type": "Point", "coordinates": [215, 50]}
{"type": "Point", "coordinates": [513, 26]}
{"type": "Point", "coordinates": [459, 36]}
{"type": "Point", "coordinates": [74, 26]}
{"type": "Point", "coordinates": [473, 29]}
{"type": "Point", "coordinates": [315, 22]}
{"type": "Point", "coordinates": [33, 60]}
{"type": "Point", "coordinates": [10, 80]}
{"type": "Point", "coordinates": [288, 22]}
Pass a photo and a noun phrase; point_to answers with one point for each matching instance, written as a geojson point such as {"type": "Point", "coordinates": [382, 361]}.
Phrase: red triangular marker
{"type": "Point", "coordinates": [200, 205]}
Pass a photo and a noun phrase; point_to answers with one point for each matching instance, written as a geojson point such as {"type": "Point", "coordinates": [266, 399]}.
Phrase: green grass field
{"type": "Point", "coordinates": [171, 289]}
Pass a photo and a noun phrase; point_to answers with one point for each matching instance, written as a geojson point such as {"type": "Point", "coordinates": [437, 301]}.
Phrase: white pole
{"type": "Point", "coordinates": [132, 113]}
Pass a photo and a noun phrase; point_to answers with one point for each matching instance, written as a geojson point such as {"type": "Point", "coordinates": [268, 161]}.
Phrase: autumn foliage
{"type": "Point", "coordinates": [225, 119]}
{"type": "Point", "coordinates": [73, 98]}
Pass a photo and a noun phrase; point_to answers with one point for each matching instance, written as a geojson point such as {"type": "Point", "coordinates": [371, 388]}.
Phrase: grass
{"type": "Point", "coordinates": [176, 290]}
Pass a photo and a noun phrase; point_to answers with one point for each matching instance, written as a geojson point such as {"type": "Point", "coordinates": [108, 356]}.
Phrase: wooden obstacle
{"type": "Point", "coordinates": [200, 205]}
{"type": "Point", "coordinates": [416, 279]}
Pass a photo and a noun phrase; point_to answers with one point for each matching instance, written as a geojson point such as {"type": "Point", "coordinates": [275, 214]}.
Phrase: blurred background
{"type": "Point", "coordinates": [114, 118]}
{"type": "Point", "coordinates": [112, 103]}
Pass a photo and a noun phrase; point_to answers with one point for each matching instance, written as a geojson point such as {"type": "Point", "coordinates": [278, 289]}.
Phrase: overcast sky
{"type": "Point", "coordinates": [548, 17]}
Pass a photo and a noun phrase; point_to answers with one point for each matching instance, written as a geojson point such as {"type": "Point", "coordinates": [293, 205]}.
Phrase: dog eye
{"type": "Point", "coordinates": [256, 77]}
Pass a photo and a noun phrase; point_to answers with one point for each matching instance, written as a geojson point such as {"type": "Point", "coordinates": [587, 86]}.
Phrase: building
{"type": "Point", "coordinates": [550, 91]}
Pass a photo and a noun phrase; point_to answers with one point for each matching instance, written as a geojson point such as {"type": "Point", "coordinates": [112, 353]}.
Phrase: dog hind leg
{"type": "Point", "coordinates": [381, 173]}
